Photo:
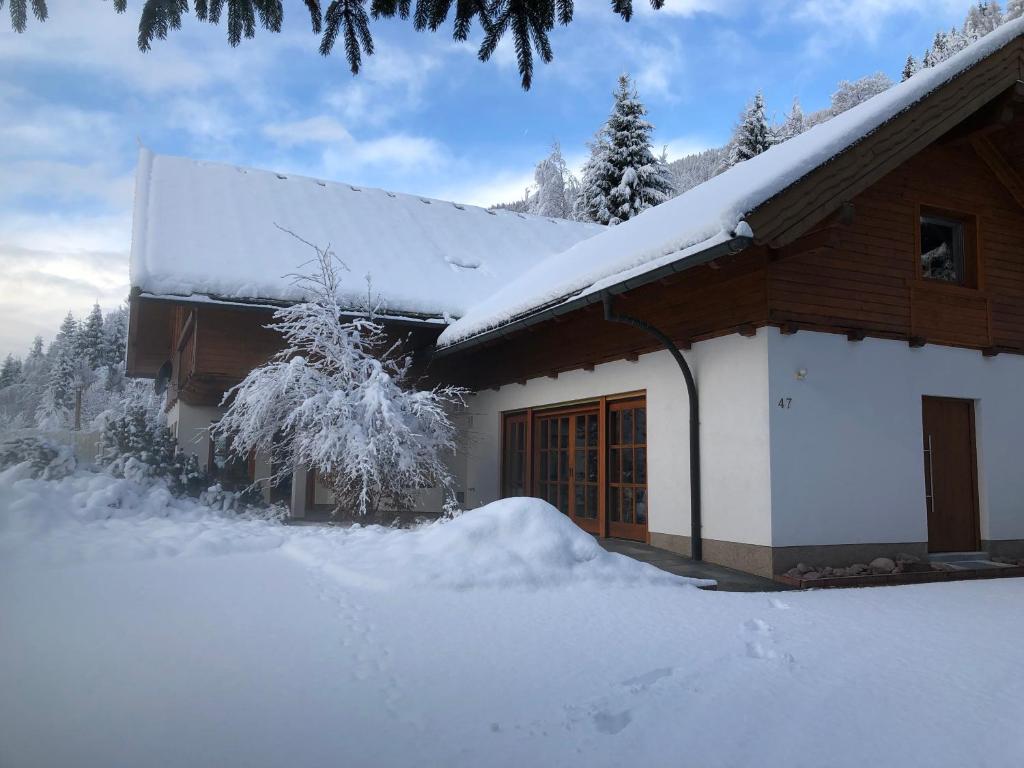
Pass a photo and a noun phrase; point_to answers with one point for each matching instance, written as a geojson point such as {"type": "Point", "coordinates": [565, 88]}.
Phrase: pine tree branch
{"type": "Point", "coordinates": [528, 21]}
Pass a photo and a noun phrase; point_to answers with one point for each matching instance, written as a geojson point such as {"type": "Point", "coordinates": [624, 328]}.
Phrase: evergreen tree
{"type": "Point", "coordinates": [115, 337]}
{"type": "Point", "coordinates": [754, 135]}
{"type": "Point", "coordinates": [62, 378]}
{"type": "Point", "coordinates": [557, 188]}
{"type": "Point", "coordinates": [528, 22]}
{"type": "Point", "coordinates": [10, 372]}
{"type": "Point", "coordinates": [981, 19]}
{"type": "Point", "coordinates": [36, 352]}
{"type": "Point", "coordinates": [910, 68]}
{"type": "Point", "coordinates": [939, 51]}
{"type": "Point", "coordinates": [623, 177]}
{"type": "Point", "coordinates": [596, 184]}
{"type": "Point", "coordinates": [849, 94]}
{"type": "Point", "coordinates": [90, 338]}
{"type": "Point", "coordinates": [794, 124]}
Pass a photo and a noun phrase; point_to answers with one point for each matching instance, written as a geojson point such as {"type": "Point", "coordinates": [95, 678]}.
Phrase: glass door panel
{"type": "Point", "coordinates": [627, 470]}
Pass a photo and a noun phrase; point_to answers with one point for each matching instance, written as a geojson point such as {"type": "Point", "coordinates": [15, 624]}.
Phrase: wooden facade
{"type": "Point", "coordinates": [212, 347]}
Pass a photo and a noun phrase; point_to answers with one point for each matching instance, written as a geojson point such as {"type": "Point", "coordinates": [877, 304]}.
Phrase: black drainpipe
{"type": "Point", "coordinates": [696, 544]}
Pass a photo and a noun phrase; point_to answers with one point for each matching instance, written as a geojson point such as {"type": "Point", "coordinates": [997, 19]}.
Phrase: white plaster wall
{"type": "Point", "coordinates": [731, 375]}
{"type": "Point", "coordinates": [847, 463]}
{"type": "Point", "coordinates": [191, 425]}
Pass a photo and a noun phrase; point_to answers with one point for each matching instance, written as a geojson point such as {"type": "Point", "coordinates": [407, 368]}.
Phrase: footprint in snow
{"type": "Point", "coordinates": [612, 722]}
{"type": "Point", "coordinates": [758, 625]}
{"type": "Point", "coordinates": [647, 679]}
{"type": "Point", "coordinates": [778, 604]}
{"type": "Point", "coordinates": [756, 650]}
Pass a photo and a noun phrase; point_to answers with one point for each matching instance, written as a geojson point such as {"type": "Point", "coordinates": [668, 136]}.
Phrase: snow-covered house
{"type": "Point", "coordinates": [850, 305]}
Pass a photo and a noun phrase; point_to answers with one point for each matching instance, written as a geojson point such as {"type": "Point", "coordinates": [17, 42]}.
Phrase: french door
{"type": "Point", "coordinates": [567, 462]}
{"type": "Point", "coordinates": [627, 470]}
{"type": "Point", "coordinates": [589, 461]}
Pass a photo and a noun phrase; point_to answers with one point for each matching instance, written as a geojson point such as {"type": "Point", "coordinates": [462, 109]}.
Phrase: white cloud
{"type": "Point", "coordinates": [50, 264]}
{"type": "Point", "coordinates": [319, 129]}
{"type": "Point", "coordinates": [681, 146]}
{"type": "Point", "coordinates": [503, 186]}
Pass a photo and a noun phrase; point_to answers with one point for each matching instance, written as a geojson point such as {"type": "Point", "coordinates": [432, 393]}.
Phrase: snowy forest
{"type": "Point", "coordinates": [623, 176]}
{"type": "Point", "coordinates": [73, 382]}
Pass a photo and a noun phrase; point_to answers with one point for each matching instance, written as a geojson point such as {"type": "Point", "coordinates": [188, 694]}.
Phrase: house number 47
{"type": "Point", "coordinates": [785, 403]}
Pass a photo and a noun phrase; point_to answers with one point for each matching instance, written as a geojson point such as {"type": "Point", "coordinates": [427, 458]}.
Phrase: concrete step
{"type": "Point", "coordinates": [956, 557]}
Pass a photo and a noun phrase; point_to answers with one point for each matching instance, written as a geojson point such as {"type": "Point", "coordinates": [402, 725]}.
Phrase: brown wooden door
{"type": "Point", "coordinates": [566, 462]}
{"type": "Point", "coordinates": [950, 474]}
{"type": "Point", "coordinates": [627, 469]}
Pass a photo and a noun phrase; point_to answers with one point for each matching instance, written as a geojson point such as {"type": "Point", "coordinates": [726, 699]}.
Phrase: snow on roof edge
{"type": "Point", "coordinates": [194, 224]}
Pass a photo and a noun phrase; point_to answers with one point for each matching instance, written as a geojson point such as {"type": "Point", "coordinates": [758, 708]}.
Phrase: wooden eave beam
{"type": "Point", "coordinates": [1000, 167]}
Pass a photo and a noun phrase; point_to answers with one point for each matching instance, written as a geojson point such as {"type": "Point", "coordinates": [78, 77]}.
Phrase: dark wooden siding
{"type": "Point", "coordinates": [866, 275]}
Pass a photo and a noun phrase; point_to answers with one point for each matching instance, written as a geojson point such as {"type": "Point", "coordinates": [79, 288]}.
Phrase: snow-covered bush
{"type": "Point", "coordinates": [337, 399]}
{"type": "Point", "coordinates": [244, 500]}
{"type": "Point", "coordinates": [48, 461]}
{"type": "Point", "coordinates": [133, 445]}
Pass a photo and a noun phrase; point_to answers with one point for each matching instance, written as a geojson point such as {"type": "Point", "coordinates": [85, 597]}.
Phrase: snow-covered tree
{"type": "Point", "coordinates": [910, 68]}
{"type": "Point", "coordinates": [135, 443]}
{"type": "Point", "coordinates": [982, 18]}
{"type": "Point", "coordinates": [691, 170]}
{"type": "Point", "coordinates": [794, 124]}
{"type": "Point", "coordinates": [90, 338]}
{"type": "Point", "coordinates": [849, 94]}
{"type": "Point", "coordinates": [338, 399]}
{"type": "Point", "coordinates": [115, 337]}
{"type": "Point", "coordinates": [937, 53]}
{"type": "Point", "coordinates": [10, 372]}
{"type": "Point", "coordinates": [557, 188]}
{"type": "Point", "coordinates": [622, 177]}
{"type": "Point", "coordinates": [754, 134]}
{"type": "Point", "coordinates": [1014, 10]}
{"type": "Point", "coordinates": [596, 183]}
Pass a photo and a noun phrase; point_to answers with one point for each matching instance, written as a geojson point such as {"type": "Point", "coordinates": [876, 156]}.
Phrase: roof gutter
{"type": "Point", "coordinates": [564, 306]}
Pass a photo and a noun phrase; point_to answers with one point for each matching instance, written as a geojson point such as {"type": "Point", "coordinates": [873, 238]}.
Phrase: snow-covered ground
{"type": "Point", "coordinates": [138, 630]}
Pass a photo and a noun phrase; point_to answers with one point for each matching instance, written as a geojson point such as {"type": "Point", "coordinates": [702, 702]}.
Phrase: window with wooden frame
{"type": "Point", "coordinates": [947, 247]}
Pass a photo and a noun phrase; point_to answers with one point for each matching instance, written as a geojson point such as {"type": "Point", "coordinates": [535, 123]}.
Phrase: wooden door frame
{"type": "Point", "coordinates": [579, 409]}
{"type": "Point", "coordinates": [628, 530]}
{"type": "Point", "coordinates": [973, 437]}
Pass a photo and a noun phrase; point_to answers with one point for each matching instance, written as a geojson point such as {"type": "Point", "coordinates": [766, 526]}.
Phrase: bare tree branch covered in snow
{"type": "Point", "coordinates": [337, 399]}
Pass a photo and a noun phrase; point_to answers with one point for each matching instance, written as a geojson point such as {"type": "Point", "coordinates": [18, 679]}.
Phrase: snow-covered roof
{"type": "Point", "coordinates": [208, 230]}
{"type": "Point", "coordinates": [709, 214]}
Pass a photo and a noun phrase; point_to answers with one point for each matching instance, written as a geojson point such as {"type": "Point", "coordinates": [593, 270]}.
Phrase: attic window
{"type": "Point", "coordinates": [944, 252]}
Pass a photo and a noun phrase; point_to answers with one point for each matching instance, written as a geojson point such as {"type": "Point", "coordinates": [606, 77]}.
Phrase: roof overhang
{"type": "Point", "coordinates": [151, 317]}
{"type": "Point", "coordinates": [687, 260]}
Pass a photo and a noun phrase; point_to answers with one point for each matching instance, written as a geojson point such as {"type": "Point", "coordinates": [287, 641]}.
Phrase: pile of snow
{"type": "Point", "coordinates": [208, 229]}
{"type": "Point", "coordinates": [712, 212]}
{"type": "Point", "coordinates": [90, 516]}
{"type": "Point", "coordinates": [518, 542]}
{"type": "Point", "coordinates": [522, 542]}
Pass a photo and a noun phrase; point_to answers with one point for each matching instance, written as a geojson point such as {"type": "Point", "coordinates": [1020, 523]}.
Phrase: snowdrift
{"type": "Point", "coordinates": [518, 543]}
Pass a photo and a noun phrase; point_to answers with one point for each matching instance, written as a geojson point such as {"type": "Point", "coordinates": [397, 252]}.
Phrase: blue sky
{"type": "Point", "coordinates": [424, 116]}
